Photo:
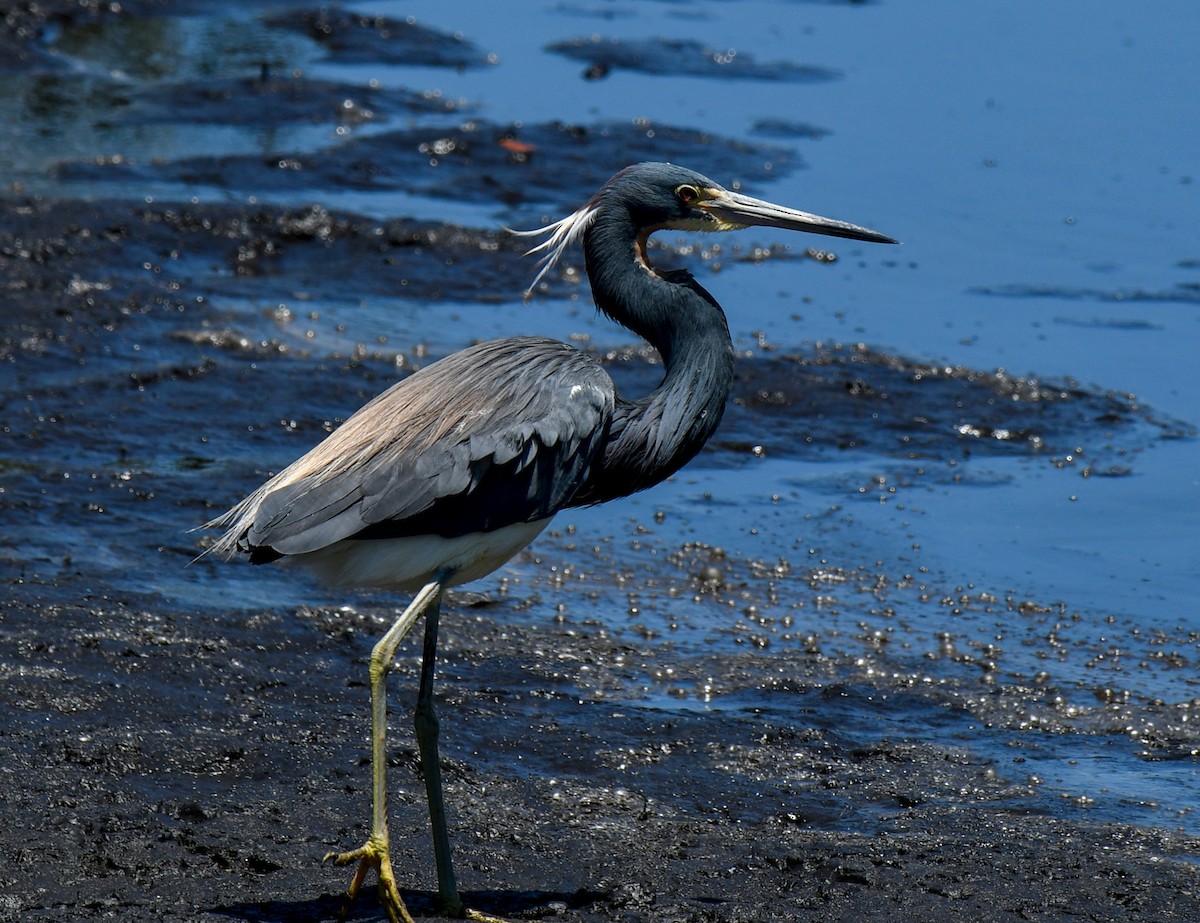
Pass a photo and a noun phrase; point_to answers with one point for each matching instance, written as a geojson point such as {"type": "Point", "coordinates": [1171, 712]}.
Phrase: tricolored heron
{"type": "Point", "coordinates": [446, 475]}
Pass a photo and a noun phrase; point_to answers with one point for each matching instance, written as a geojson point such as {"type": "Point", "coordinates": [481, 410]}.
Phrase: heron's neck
{"type": "Point", "coordinates": [654, 436]}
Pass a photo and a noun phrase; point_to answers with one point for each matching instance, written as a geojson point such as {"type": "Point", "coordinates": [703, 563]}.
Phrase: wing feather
{"type": "Point", "coordinates": [499, 433]}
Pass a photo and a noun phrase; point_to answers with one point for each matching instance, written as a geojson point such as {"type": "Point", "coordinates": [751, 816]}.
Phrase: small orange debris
{"type": "Point", "coordinates": [517, 147]}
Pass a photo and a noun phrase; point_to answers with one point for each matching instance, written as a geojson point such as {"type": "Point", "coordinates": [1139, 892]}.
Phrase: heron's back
{"type": "Point", "coordinates": [500, 434]}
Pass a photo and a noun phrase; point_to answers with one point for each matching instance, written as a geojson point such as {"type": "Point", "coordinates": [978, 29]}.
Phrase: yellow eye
{"type": "Point", "coordinates": [687, 194]}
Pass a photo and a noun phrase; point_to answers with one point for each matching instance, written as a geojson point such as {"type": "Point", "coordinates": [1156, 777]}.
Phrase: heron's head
{"type": "Point", "coordinates": [663, 196]}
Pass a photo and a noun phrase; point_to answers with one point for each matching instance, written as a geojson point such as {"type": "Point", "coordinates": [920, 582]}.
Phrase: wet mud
{"type": "Point", "coordinates": [196, 766]}
{"type": "Point", "coordinates": [676, 56]}
{"type": "Point", "coordinates": [349, 37]}
{"type": "Point", "coordinates": [475, 161]}
{"type": "Point", "coordinates": [270, 100]}
{"type": "Point", "coordinates": [177, 744]}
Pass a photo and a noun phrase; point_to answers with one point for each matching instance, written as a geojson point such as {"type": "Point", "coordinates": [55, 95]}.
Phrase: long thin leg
{"type": "Point", "coordinates": [425, 723]}
{"type": "Point", "coordinates": [375, 852]}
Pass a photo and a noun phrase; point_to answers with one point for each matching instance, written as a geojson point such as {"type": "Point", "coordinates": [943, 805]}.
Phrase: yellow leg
{"type": "Point", "coordinates": [374, 854]}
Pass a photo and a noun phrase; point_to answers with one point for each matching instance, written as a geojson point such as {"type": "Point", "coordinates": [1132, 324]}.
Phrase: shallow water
{"type": "Point", "coordinates": [980, 565]}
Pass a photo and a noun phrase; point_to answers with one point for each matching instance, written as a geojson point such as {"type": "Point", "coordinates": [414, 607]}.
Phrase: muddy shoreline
{"type": "Point", "coordinates": [176, 746]}
{"type": "Point", "coordinates": [197, 766]}
{"type": "Point", "coordinates": [167, 763]}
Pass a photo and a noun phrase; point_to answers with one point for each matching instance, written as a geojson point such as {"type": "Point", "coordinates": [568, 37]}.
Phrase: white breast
{"type": "Point", "coordinates": [411, 562]}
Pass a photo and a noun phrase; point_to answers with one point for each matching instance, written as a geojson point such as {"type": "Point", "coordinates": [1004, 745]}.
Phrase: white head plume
{"type": "Point", "coordinates": [562, 234]}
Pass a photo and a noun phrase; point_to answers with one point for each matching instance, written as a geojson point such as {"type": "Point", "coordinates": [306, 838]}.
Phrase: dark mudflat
{"type": "Point", "coordinates": [186, 742]}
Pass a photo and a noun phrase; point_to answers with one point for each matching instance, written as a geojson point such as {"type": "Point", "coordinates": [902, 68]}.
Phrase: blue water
{"type": "Point", "coordinates": [1040, 163]}
{"type": "Point", "coordinates": [1046, 148]}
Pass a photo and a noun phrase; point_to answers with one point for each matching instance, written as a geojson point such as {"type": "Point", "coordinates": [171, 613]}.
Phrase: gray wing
{"type": "Point", "coordinates": [499, 433]}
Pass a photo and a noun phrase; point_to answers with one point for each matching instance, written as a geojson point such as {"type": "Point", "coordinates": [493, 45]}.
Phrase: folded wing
{"type": "Point", "coordinates": [499, 433]}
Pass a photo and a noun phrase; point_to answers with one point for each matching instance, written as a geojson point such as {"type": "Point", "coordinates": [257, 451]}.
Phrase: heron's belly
{"type": "Point", "coordinates": [411, 562]}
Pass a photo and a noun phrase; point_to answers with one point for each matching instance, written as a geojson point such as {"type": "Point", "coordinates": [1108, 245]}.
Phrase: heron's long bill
{"type": "Point", "coordinates": [742, 210]}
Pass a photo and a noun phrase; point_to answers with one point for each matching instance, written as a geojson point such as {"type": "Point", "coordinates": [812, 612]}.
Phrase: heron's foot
{"type": "Point", "coordinates": [454, 908]}
{"type": "Point", "coordinates": [480, 917]}
{"type": "Point", "coordinates": [373, 854]}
